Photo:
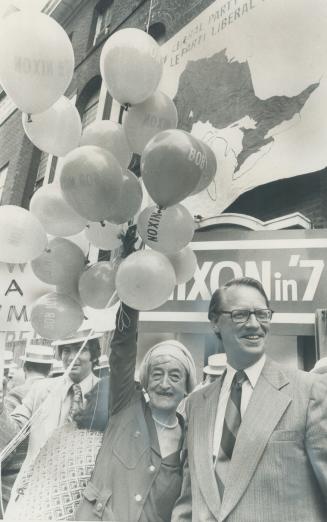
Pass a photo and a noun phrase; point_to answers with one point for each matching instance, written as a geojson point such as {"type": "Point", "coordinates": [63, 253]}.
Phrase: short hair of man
{"type": "Point", "coordinates": [215, 305]}
{"type": "Point", "coordinates": [92, 345]}
{"type": "Point", "coordinates": [43, 369]}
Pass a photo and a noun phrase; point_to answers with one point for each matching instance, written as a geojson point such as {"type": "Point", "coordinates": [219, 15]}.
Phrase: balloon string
{"type": "Point", "coordinates": [24, 431]}
{"type": "Point", "coordinates": [149, 17]}
{"type": "Point", "coordinates": [123, 319]}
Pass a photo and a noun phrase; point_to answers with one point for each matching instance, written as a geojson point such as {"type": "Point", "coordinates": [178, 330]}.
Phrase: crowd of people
{"type": "Point", "coordinates": [249, 443]}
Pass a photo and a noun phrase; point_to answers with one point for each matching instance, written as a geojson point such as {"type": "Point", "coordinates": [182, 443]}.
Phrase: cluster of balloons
{"type": "Point", "coordinates": [95, 194]}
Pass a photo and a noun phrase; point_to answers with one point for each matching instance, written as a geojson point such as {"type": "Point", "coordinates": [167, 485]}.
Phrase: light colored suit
{"type": "Point", "coordinates": [43, 405]}
{"type": "Point", "coordinates": [278, 471]}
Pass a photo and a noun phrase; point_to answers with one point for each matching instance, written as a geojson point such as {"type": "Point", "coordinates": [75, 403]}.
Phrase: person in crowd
{"type": "Point", "coordinates": [37, 363]}
{"type": "Point", "coordinates": [214, 369]}
{"type": "Point", "coordinates": [102, 369]}
{"type": "Point", "coordinates": [51, 487]}
{"type": "Point", "coordinates": [257, 437]}
{"type": "Point", "coordinates": [137, 476]}
{"type": "Point", "coordinates": [50, 403]}
{"type": "Point", "coordinates": [8, 361]}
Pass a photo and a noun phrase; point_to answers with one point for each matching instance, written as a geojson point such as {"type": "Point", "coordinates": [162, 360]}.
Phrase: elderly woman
{"type": "Point", "coordinates": [137, 476]}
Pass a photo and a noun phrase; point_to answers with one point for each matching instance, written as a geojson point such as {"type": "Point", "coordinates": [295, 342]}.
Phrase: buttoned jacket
{"type": "Point", "coordinates": [278, 470]}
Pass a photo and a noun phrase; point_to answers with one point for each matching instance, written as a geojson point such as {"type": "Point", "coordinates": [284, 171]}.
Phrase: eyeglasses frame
{"type": "Point", "coordinates": [250, 312]}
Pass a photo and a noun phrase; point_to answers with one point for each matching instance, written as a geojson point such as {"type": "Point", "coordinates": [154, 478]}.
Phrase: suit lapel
{"type": "Point", "coordinates": [266, 407]}
{"type": "Point", "coordinates": [204, 426]}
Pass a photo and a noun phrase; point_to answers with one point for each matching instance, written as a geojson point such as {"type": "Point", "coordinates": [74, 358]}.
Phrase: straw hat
{"type": "Point", "coordinates": [38, 353]}
{"type": "Point", "coordinates": [78, 337]}
{"type": "Point", "coordinates": [216, 364]}
{"type": "Point", "coordinates": [103, 362]}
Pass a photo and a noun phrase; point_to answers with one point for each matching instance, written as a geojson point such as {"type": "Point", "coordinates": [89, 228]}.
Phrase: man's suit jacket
{"type": "Point", "coordinates": [42, 405]}
{"type": "Point", "coordinates": [278, 470]}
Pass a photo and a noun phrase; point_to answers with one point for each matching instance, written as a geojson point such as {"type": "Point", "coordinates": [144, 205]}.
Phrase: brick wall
{"type": "Point", "coordinates": [306, 194]}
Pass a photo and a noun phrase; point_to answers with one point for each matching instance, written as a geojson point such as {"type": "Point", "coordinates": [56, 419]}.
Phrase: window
{"type": "Point", "coordinates": [103, 15]}
{"type": "Point", "coordinates": [7, 106]}
{"type": "Point", "coordinates": [3, 176]}
{"type": "Point", "coordinates": [158, 32]}
{"type": "Point", "coordinates": [90, 109]}
{"type": "Point", "coordinates": [41, 171]}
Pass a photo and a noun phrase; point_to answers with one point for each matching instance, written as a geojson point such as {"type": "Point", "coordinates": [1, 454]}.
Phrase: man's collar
{"type": "Point", "coordinates": [252, 372]}
{"type": "Point", "coordinates": [86, 384]}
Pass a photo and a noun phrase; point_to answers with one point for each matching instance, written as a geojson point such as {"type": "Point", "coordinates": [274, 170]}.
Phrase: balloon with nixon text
{"type": "Point", "coordinates": [145, 120]}
{"type": "Point", "coordinates": [57, 130]}
{"type": "Point", "coordinates": [36, 60]}
{"type": "Point", "coordinates": [166, 230]}
{"type": "Point", "coordinates": [97, 285]}
{"type": "Point", "coordinates": [145, 280]}
{"type": "Point", "coordinates": [55, 316]}
{"type": "Point", "coordinates": [131, 65]}
{"type": "Point", "coordinates": [91, 181]}
{"type": "Point", "coordinates": [106, 236]}
{"type": "Point", "coordinates": [110, 136]}
{"type": "Point", "coordinates": [22, 237]}
{"type": "Point", "coordinates": [184, 263]}
{"type": "Point", "coordinates": [209, 172]}
{"type": "Point", "coordinates": [56, 215]}
{"type": "Point", "coordinates": [171, 165]}
{"type": "Point", "coordinates": [129, 202]}
{"type": "Point", "coordinates": [61, 263]}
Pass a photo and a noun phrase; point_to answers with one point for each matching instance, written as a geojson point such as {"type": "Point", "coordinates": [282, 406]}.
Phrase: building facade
{"type": "Point", "coordinates": [24, 168]}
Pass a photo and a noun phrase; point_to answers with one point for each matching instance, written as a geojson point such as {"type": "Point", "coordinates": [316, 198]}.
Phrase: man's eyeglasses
{"type": "Point", "coordinates": [242, 316]}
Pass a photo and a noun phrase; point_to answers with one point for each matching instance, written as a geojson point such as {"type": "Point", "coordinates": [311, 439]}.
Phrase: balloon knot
{"type": "Point", "coordinates": [126, 106]}
{"type": "Point", "coordinates": [88, 225]}
{"type": "Point", "coordinates": [102, 223]}
{"type": "Point", "coordinates": [48, 250]}
{"type": "Point", "coordinates": [29, 118]}
{"type": "Point", "coordinates": [85, 318]}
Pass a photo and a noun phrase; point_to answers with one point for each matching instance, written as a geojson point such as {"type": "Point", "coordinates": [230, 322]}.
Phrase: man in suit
{"type": "Point", "coordinates": [37, 365]}
{"type": "Point", "coordinates": [51, 402]}
{"type": "Point", "coordinates": [257, 437]}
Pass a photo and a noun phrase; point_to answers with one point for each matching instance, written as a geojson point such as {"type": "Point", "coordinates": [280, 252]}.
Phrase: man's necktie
{"type": "Point", "coordinates": [77, 401]}
{"type": "Point", "coordinates": [232, 423]}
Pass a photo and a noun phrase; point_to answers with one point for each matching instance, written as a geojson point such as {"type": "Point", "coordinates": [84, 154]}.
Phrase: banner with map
{"type": "Point", "coordinates": [249, 78]}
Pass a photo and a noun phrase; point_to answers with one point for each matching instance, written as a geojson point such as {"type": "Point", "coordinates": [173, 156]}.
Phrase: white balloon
{"type": "Point", "coordinates": [131, 65]}
{"type": "Point", "coordinates": [145, 280]}
{"type": "Point", "coordinates": [105, 236]}
{"type": "Point", "coordinates": [57, 217]}
{"type": "Point", "coordinates": [166, 230]}
{"type": "Point", "coordinates": [36, 60]}
{"type": "Point", "coordinates": [144, 120]}
{"type": "Point", "coordinates": [57, 130]}
{"type": "Point", "coordinates": [81, 241]}
{"type": "Point", "coordinates": [184, 264]}
{"type": "Point", "coordinates": [108, 135]}
{"type": "Point", "coordinates": [22, 237]}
